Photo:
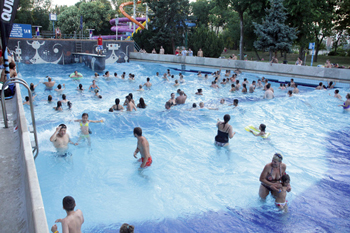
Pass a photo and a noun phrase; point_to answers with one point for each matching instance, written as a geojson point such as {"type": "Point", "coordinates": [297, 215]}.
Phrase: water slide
{"type": "Point", "coordinates": [140, 26]}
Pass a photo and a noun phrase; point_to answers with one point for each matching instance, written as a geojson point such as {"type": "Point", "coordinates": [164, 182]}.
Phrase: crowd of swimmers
{"type": "Point", "coordinates": [273, 178]}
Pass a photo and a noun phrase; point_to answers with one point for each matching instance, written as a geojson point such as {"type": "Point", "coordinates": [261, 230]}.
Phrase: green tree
{"type": "Point", "coordinates": [168, 21]}
{"type": "Point", "coordinates": [211, 44]}
{"type": "Point", "coordinates": [69, 20]}
{"type": "Point", "coordinates": [273, 34]}
{"type": "Point", "coordinates": [201, 11]}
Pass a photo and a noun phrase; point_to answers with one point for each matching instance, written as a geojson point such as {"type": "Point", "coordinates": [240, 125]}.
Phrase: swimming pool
{"type": "Point", "coordinates": [192, 186]}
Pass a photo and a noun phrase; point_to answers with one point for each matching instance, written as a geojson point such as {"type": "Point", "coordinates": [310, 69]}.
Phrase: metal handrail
{"type": "Point", "coordinates": [4, 112]}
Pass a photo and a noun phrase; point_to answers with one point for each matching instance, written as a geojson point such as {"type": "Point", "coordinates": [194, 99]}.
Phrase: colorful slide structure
{"type": "Point", "coordinates": [123, 26]}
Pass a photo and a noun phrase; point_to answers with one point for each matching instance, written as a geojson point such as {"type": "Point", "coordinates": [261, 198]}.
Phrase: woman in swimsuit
{"type": "Point", "coordinates": [270, 177]}
{"type": "Point", "coordinates": [117, 106]}
{"type": "Point", "coordinates": [346, 105]}
{"type": "Point", "coordinates": [224, 132]}
{"type": "Point", "coordinates": [93, 86]}
{"type": "Point", "coordinates": [172, 99]}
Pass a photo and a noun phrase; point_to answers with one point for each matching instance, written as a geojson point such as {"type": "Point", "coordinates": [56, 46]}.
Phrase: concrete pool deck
{"type": "Point", "coordinates": [21, 208]}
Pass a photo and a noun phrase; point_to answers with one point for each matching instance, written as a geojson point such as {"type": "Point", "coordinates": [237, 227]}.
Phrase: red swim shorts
{"type": "Point", "coordinates": [149, 161]}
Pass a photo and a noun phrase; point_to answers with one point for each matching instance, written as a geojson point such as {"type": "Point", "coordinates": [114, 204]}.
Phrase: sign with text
{"type": "Point", "coordinates": [21, 31]}
{"type": "Point", "coordinates": [312, 45]}
{"type": "Point", "coordinates": [53, 17]}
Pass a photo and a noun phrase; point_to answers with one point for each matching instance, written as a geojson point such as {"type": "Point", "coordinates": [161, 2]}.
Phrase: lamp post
{"type": "Point", "coordinates": [116, 26]}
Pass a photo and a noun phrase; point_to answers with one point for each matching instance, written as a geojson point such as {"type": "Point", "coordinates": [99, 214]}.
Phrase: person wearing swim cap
{"type": "Point", "coordinates": [60, 139]}
{"type": "Point", "coordinates": [270, 177]}
{"type": "Point", "coordinates": [346, 105]}
{"type": "Point", "coordinates": [143, 148]}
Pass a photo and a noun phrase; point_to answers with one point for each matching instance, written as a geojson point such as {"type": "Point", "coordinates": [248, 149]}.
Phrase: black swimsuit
{"type": "Point", "coordinates": [222, 137]}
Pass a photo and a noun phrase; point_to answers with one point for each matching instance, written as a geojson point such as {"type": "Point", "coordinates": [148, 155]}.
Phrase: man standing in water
{"type": "Point", "coordinates": [143, 148]}
{"type": "Point", "coordinates": [61, 139]}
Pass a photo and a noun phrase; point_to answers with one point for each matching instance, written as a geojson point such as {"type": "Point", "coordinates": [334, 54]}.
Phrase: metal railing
{"type": "Point", "coordinates": [137, 47]}
{"type": "Point", "coordinates": [4, 112]}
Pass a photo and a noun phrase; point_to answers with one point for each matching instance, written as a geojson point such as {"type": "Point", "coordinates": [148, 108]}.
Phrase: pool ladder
{"type": "Point", "coordinates": [34, 144]}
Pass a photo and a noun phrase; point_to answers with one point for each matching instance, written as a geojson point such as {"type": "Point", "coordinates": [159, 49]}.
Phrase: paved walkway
{"type": "Point", "coordinates": [13, 216]}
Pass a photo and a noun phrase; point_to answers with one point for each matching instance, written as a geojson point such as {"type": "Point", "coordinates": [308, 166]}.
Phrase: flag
{"type": "Point", "coordinates": [8, 10]}
{"type": "Point", "coordinates": [81, 22]}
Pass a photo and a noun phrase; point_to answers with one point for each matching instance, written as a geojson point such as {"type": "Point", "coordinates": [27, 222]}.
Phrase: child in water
{"type": "Point", "coordinates": [84, 126]}
{"type": "Point", "coordinates": [262, 128]}
{"type": "Point", "coordinates": [280, 201]}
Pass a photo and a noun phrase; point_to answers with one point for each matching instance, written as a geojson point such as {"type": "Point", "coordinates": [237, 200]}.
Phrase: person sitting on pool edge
{"type": "Point", "coordinates": [224, 132]}
{"type": "Point", "coordinates": [346, 105]}
{"type": "Point", "coordinates": [262, 129]}
{"type": "Point", "coordinates": [84, 127]}
{"type": "Point", "coordinates": [143, 148]}
{"type": "Point", "coordinates": [72, 223]}
{"type": "Point", "coordinates": [271, 175]}
{"type": "Point", "coordinates": [281, 195]}
{"type": "Point", "coordinates": [60, 139]}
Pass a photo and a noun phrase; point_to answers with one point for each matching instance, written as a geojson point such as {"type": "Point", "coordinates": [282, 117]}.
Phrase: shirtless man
{"type": "Point", "coordinates": [61, 139]}
{"type": "Point", "coordinates": [49, 84]}
{"type": "Point", "coordinates": [148, 83]}
{"type": "Point", "coordinates": [182, 98]}
{"type": "Point", "coordinates": [252, 87]}
{"type": "Point", "coordinates": [292, 83]}
{"type": "Point", "coordinates": [295, 90]}
{"type": "Point", "coordinates": [268, 93]}
{"type": "Point", "coordinates": [337, 95]}
{"type": "Point", "coordinates": [238, 86]}
{"type": "Point", "coordinates": [214, 85]}
{"type": "Point", "coordinates": [143, 148]}
{"type": "Point", "coordinates": [130, 105]}
{"type": "Point", "coordinates": [320, 86]}
{"type": "Point", "coordinates": [200, 53]}
{"type": "Point", "coordinates": [72, 223]}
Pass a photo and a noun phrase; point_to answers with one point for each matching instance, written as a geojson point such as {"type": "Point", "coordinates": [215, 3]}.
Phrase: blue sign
{"type": "Point", "coordinates": [312, 45]}
{"type": "Point", "coordinates": [21, 31]}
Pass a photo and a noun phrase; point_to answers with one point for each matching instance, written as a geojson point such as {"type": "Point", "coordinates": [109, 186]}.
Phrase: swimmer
{"type": "Point", "coordinates": [222, 101]}
{"type": "Point", "coordinates": [281, 195]}
{"type": "Point", "coordinates": [143, 148]}
{"type": "Point", "coordinates": [126, 228]}
{"type": "Point", "coordinates": [181, 78]}
{"type": "Point", "coordinates": [199, 75]}
{"type": "Point", "coordinates": [157, 74]}
{"type": "Point", "coordinates": [127, 101]}
{"type": "Point", "coordinates": [295, 90]}
{"type": "Point", "coordinates": [165, 77]}
{"type": "Point", "coordinates": [260, 85]}
{"type": "Point", "coordinates": [72, 223]}
{"type": "Point", "coordinates": [130, 104]}
{"type": "Point", "coordinates": [233, 88]}
{"type": "Point", "coordinates": [49, 99]}
{"type": "Point", "coordinates": [238, 86]}
{"type": "Point", "coordinates": [106, 75]}
{"type": "Point", "coordinates": [76, 75]}
{"type": "Point", "coordinates": [176, 83]}
{"type": "Point", "coordinates": [199, 91]}
{"type": "Point", "coordinates": [320, 86]}
{"type": "Point", "coordinates": [49, 85]}
{"type": "Point", "coordinates": [117, 106]}
{"type": "Point", "coordinates": [290, 93]}
{"type": "Point", "coordinates": [244, 89]}
{"type": "Point", "coordinates": [80, 87]}
{"type": "Point", "coordinates": [84, 127]}
{"type": "Point", "coordinates": [182, 98]}
{"type": "Point", "coordinates": [172, 99]}
{"type": "Point", "coordinates": [331, 85]}
{"type": "Point", "coordinates": [131, 77]}
{"type": "Point", "coordinates": [252, 87]}
{"type": "Point", "coordinates": [223, 81]}
{"type": "Point", "coordinates": [32, 87]}
{"type": "Point", "coordinates": [115, 75]}
{"type": "Point", "coordinates": [233, 78]}
{"type": "Point", "coordinates": [346, 105]}
{"type": "Point", "coordinates": [336, 94]}
{"type": "Point", "coordinates": [235, 103]}
{"type": "Point", "coordinates": [168, 72]}
{"type": "Point", "coordinates": [292, 83]}
{"type": "Point", "coordinates": [59, 88]}
{"type": "Point", "coordinates": [148, 83]}
{"type": "Point", "coordinates": [262, 129]}
{"type": "Point", "coordinates": [268, 93]}
{"type": "Point", "coordinates": [206, 76]}
{"type": "Point", "coordinates": [141, 103]}
{"type": "Point", "coordinates": [64, 99]}
{"type": "Point", "coordinates": [167, 105]}
{"type": "Point", "coordinates": [281, 86]}
{"type": "Point", "coordinates": [97, 94]}
{"type": "Point", "coordinates": [93, 86]}
{"type": "Point", "coordinates": [271, 175]}
{"type": "Point", "coordinates": [245, 81]}
{"type": "Point", "coordinates": [214, 85]}
{"type": "Point", "coordinates": [140, 88]}
{"type": "Point", "coordinates": [123, 75]}
{"type": "Point", "coordinates": [96, 76]}
{"type": "Point", "coordinates": [228, 73]}
{"type": "Point", "coordinates": [59, 106]}
{"type": "Point", "coordinates": [201, 106]}
{"type": "Point", "coordinates": [60, 139]}
{"type": "Point", "coordinates": [224, 132]}
{"type": "Point", "coordinates": [27, 100]}
{"type": "Point", "coordinates": [69, 104]}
